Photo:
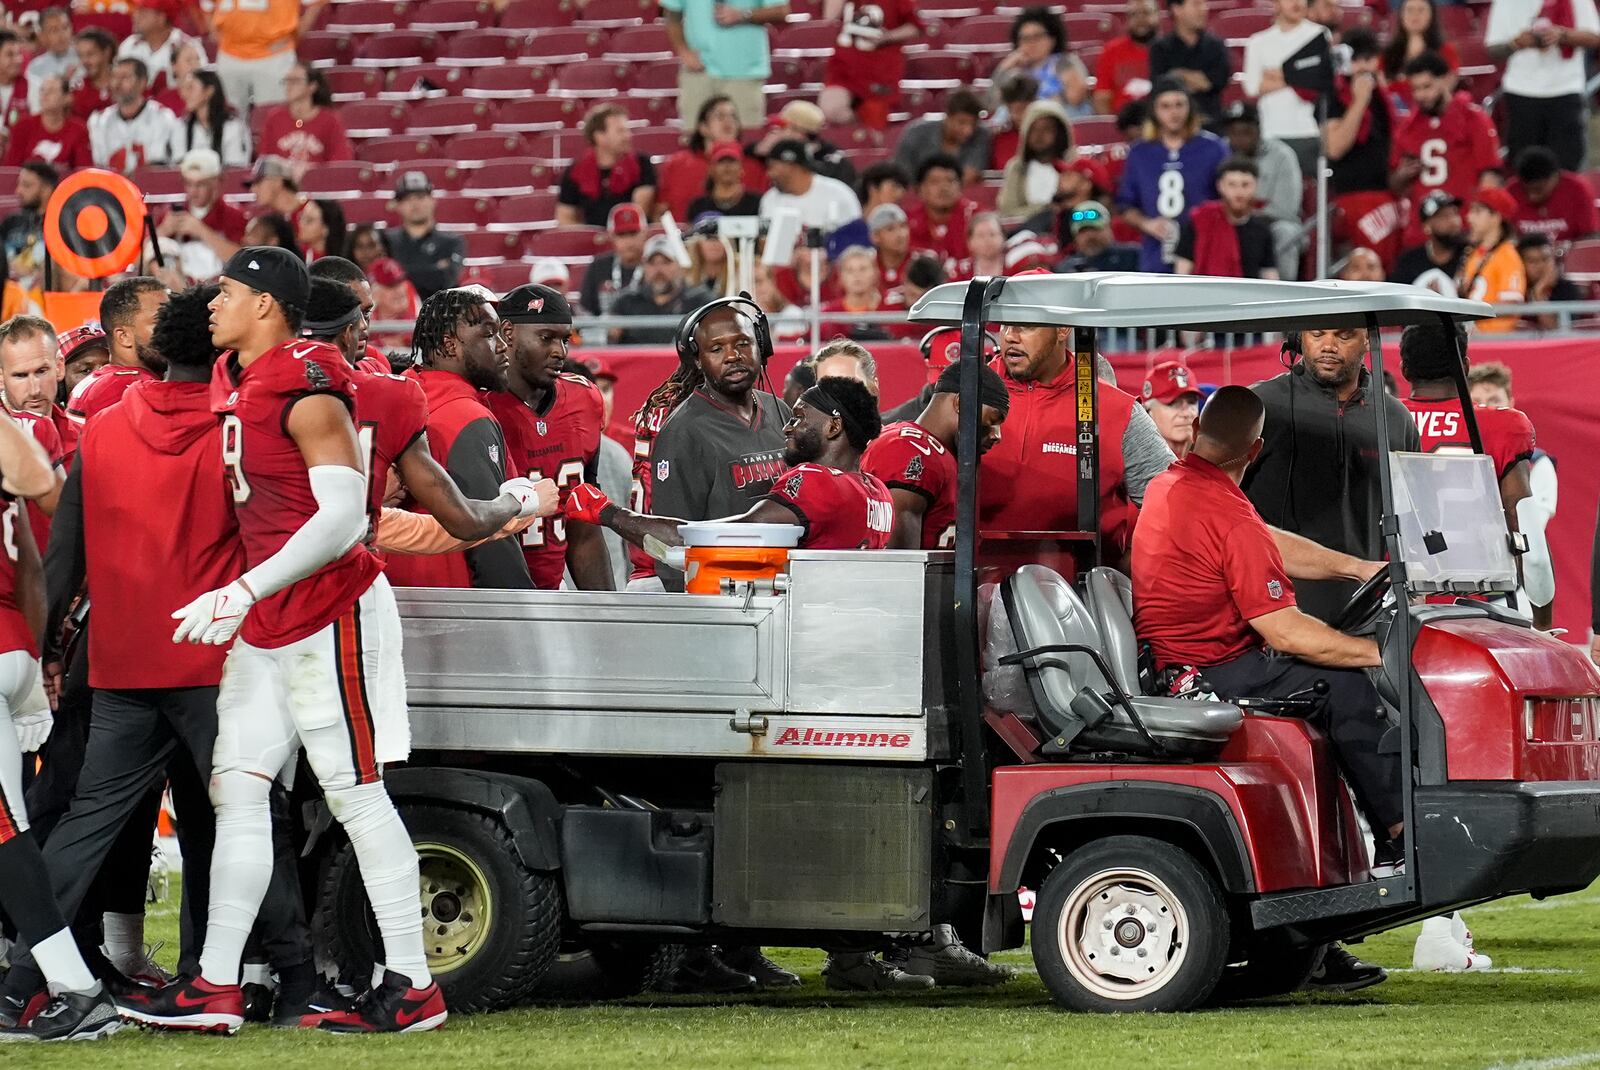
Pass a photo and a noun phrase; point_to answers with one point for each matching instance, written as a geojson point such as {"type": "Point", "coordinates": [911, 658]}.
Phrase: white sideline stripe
{"type": "Point", "coordinates": [1585, 1058]}
{"type": "Point", "coordinates": [1492, 969]}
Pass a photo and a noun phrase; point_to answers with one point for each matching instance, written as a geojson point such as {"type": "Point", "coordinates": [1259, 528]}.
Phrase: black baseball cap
{"type": "Point", "coordinates": [790, 150]}
{"type": "Point", "coordinates": [532, 303]}
{"type": "Point", "coordinates": [273, 271]}
{"type": "Point", "coordinates": [1436, 202]}
{"type": "Point", "coordinates": [1243, 111]}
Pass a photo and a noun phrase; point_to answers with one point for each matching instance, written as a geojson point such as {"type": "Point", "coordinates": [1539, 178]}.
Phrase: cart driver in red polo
{"type": "Point", "coordinates": [1213, 590]}
{"type": "Point", "coordinates": [823, 490]}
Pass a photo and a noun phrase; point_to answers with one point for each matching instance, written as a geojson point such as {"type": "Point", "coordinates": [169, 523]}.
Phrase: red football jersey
{"type": "Point", "coordinates": [947, 239]}
{"type": "Point", "coordinates": [560, 443]}
{"type": "Point", "coordinates": [272, 488]}
{"type": "Point", "coordinates": [391, 414]}
{"type": "Point", "coordinates": [68, 430]}
{"type": "Point", "coordinates": [875, 71]}
{"type": "Point", "coordinates": [1455, 148]}
{"type": "Point", "coordinates": [45, 433]}
{"type": "Point", "coordinates": [644, 566]}
{"type": "Point", "coordinates": [14, 631]}
{"type": "Point", "coordinates": [839, 510]}
{"type": "Point", "coordinates": [1507, 434]}
{"type": "Point", "coordinates": [906, 457]}
{"type": "Point", "coordinates": [103, 388]}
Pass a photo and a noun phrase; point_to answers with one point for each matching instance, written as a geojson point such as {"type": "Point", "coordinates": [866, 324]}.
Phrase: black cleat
{"type": "Point", "coordinates": [257, 1002]}
{"type": "Point", "coordinates": [70, 1016]}
{"type": "Point", "coordinates": [310, 1013]}
{"type": "Point", "coordinates": [703, 971]}
{"type": "Point", "coordinates": [768, 974]}
{"type": "Point", "coordinates": [1343, 972]}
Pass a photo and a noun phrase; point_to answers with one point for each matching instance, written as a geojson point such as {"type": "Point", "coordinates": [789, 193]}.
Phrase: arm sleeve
{"type": "Point", "coordinates": [1252, 68]}
{"type": "Point", "coordinates": [1254, 571]}
{"type": "Point", "coordinates": [568, 194]}
{"type": "Point", "coordinates": [338, 523]}
{"type": "Point", "coordinates": [474, 463]}
{"type": "Point", "coordinates": [401, 531]}
{"type": "Point", "coordinates": [1145, 454]}
{"type": "Point", "coordinates": [64, 562]}
{"type": "Point", "coordinates": [1502, 25]}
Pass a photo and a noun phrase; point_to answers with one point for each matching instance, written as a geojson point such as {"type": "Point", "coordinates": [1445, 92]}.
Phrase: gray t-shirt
{"type": "Point", "coordinates": [924, 139]}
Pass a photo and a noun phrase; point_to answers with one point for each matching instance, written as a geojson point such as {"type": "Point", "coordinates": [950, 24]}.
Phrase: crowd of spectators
{"type": "Point", "coordinates": [1211, 167]}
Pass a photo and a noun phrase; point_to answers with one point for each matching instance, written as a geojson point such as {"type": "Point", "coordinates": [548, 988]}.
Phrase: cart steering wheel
{"type": "Point", "coordinates": [1364, 604]}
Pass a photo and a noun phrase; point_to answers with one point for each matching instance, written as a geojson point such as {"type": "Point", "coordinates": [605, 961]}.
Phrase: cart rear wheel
{"type": "Point", "coordinates": [1274, 968]}
{"type": "Point", "coordinates": [1130, 923]}
{"type": "Point", "coordinates": [607, 969]}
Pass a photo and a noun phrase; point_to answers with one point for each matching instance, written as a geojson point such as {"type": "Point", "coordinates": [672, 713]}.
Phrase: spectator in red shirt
{"type": "Point", "coordinates": [91, 89]}
{"type": "Point", "coordinates": [986, 244]}
{"type": "Point", "coordinates": [891, 237]}
{"type": "Point", "coordinates": [939, 220]}
{"type": "Point", "coordinates": [1016, 93]}
{"type": "Point", "coordinates": [856, 271]}
{"type": "Point", "coordinates": [55, 135]}
{"type": "Point", "coordinates": [305, 128]}
{"type": "Point", "coordinates": [1558, 204]}
{"type": "Point", "coordinates": [862, 80]}
{"type": "Point", "coordinates": [1123, 72]}
{"type": "Point", "coordinates": [208, 229]}
{"type": "Point", "coordinates": [607, 173]}
{"type": "Point", "coordinates": [681, 177]}
{"type": "Point", "coordinates": [1447, 142]}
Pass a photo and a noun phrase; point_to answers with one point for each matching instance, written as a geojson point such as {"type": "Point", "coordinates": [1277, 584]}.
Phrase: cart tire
{"type": "Point", "coordinates": [491, 927]}
{"type": "Point", "coordinates": [1130, 923]}
{"type": "Point", "coordinates": [609, 969]}
{"type": "Point", "coordinates": [1274, 968]}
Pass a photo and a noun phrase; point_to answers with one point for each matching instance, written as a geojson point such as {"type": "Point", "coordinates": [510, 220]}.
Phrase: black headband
{"type": "Point", "coordinates": [818, 398]}
{"type": "Point", "coordinates": [329, 328]}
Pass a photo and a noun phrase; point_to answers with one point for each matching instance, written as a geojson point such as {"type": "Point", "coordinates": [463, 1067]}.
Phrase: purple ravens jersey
{"type": "Point", "coordinates": [1169, 183]}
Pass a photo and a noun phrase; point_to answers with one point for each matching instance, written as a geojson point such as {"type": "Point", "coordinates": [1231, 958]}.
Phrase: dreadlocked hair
{"type": "Point", "coordinates": [438, 318]}
{"type": "Point", "coordinates": [670, 394]}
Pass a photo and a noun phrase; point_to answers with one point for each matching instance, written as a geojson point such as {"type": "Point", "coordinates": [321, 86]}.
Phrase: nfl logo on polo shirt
{"type": "Point", "coordinates": [542, 427]}
{"type": "Point", "coordinates": [1274, 590]}
{"type": "Point", "coordinates": [661, 470]}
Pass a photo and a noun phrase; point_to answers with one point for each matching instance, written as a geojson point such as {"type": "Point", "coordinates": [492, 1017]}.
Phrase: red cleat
{"type": "Point", "coordinates": [190, 1004]}
{"type": "Point", "coordinates": [392, 1007]}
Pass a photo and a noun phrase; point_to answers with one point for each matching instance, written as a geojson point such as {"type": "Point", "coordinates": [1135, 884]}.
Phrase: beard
{"type": "Point", "coordinates": [150, 358]}
{"type": "Point", "coordinates": [485, 376]}
{"type": "Point", "coordinates": [803, 446]}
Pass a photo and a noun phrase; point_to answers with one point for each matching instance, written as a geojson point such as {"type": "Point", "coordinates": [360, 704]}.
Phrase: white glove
{"type": "Point", "coordinates": [32, 729]}
{"type": "Point", "coordinates": [533, 499]}
{"type": "Point", "coordinates": [215, 616]}
{"type": "Point", "coordinates": [864, 36]}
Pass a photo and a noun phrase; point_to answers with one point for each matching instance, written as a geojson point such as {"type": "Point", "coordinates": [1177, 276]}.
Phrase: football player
{"type": "Point", "coordinates": [552, 423]}
{"type": "Point", "coordinates": [916, 459]}
{"type": "Point", "coordinates": [128, 316]}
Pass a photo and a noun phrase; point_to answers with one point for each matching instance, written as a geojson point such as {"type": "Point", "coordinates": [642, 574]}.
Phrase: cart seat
{"type": "Point", "coordinates": [1044, 611]}
{"type": "Point", "coordinates": [1109, 595]}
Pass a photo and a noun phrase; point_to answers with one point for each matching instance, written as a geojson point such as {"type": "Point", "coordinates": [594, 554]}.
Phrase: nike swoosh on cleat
{"type": "Point", "coordinates": [410, 1017]}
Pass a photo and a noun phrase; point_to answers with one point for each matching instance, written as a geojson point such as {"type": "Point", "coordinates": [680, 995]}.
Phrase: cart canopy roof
{"type": "Point", "coordinates": [1197, 302]}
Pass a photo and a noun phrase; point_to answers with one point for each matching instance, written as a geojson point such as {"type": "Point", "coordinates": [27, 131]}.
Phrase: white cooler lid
{"type": "Point", "coordinates": [722, 533]}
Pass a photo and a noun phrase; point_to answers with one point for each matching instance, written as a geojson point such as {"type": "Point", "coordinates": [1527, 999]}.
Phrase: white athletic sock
{"type": "Point", "coordinates": [124, 944]}
{"type": "Point", "coordinates": [58, 959]}
{"type": "Point", "coordinates": [388, 869]}
{"type": "Point", "coordinates": [241, 868]}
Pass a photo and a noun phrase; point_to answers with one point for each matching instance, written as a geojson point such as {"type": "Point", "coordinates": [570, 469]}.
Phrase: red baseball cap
{"type": "Point", "coordinates": [386, 271]}
{"type": "Point", "coordinates": [1093, 170]}
{"type": "Point", "coordinates": [599, 367]}
{"type": "Point", "coordinates": [1169, 381]}
{"type": "Point", "coordinates": [80, 340]}
{"type": "Point", "coordinates": [1496, 200]}
{"type": "Point", "coordinates": [625, 218]}
{"type": "Point", "coordinates": [726, 150]}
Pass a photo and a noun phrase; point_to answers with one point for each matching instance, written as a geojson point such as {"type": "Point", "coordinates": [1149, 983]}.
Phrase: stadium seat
{"type": "Point", "coordinates": [851, 136]}
{"type": "Point", "coordinates": [425, 80]}
{"type": "Point", "coordinates": [508, 178]}
{"type": "Point", "coordinates": [534, 114]}
{"type": "Point", "coordinates": [366, 16]}
{"type": "Point", "coordinates": [452, 16]}
{"type": "Point", "coordinates": [1458, 23]}
{"type": "Point", "coordinates": [1235, 26]}
{"type": "Point", "coordinates": [557, 148]}
{"type": "Point", "coordinates": [570, 44]}
{"type": "Point", "coordinates": [353, 83]}
{"type": "Point", "coordinates": [373, 118]}
{"type": "Point", "coordinates": [460, 213]}
{"type": "Point", "coordinates": [340, 180]}
{"type": "Point", "coordinates": [595, 80]}
{"type": "Point", "coordinates": [614, 12]}
{"type": "Point", "coordinates": [499, 277]}
{"type": "Point", "coordinates": [1095, 130]}
{"type": "Point", "coordinates": [482, 48]}
{"type": "Point", "coordinates": [1582, 262]}
{"type": "Point", "coordinates": [369, 208]}
{"type": "Point", "coordinates": [986, 33]}
{"type": "Point", "coordinates": [161, 185]}
{"type": "Point", "coordinates": [938, 70]}
{"type": "Point", "coordinates": [493, 247]}
{"type": "Point", "coordinates": [449, 115]}
{"type": "Point", "coordinates": [385, 151]}
{"type": "Point", "coordinates": [1085, 26]}
{"type": "Point", "coordinates": [569, 244]}
{"type": "Point", "coordinates": [395, 49]}
{"type": "Point", "coordinates": [528, 212]}
{"type": "Point", "coordinates": [486, 147]}
{"type": "Point", "coordinates": [655, 78]}
{"type": "Point", "coordinates": [447, 176]}
{"type": "Point", "coordinates": [513, 83]}
{"type": "Point", "coordinates": [539, 15]}
{"type": "Point", "coordinates": [985, 195]}
{"type": "Point", "coordinates": [651, 111]}
{"type": "Point", "coordinates": [800, 39]}
{"type": "Point", "coordinates": [639, 43]}
{"type": "Point", "coordinates": [950, 9]}
{"type": "Point", "coordinates": [658, 142]}
{"type": "Point", "coordinates": [322, 49]}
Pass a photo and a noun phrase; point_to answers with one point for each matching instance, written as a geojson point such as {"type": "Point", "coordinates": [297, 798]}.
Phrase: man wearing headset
{"type": "Point", "coordinates": [1317, 475]}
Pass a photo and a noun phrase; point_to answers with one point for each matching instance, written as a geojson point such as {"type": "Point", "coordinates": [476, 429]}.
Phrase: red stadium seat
{"type": "Point", "coordinates": [461, 213]}
{"type": "Point", "coordinates": [366, 16]}
{"type": "Point", "coordinates": [530, 211]}
{"type": "Point", "coordinates": [449, 115]}
{"type": "Point", "coordinates": [341, 180]}
{"type": "Point", "coordinates": [938, 70]}
{"type": "Point", "coordinates": [368, 208]}
{"type": "Point", "coordinates": [536, 114]}
{"type": "Point", "coordinates": [322, 49]}
{"type": "Point", "coordinates": [614, 12]}
{"type": "Point", "coordinates": [1582, 262]}
{"type": "Point", "coordinates": [452, 16]}
{"type": "Point", "coordinates": [1095, 130]}
{"type": "Point", "coordinates": [1237, 25]}
{"type": "Point", "coordinates": [373, 118]}
{"type": "Point", "coordinates": [353, 83]}
{"type": "Point", "coordinates": [425, 80]}
{"type": "Point", "coordinates": [985, 194]}
{"type": "Point", "coordinates": [499, 277]}
{"type": "Point", "coordinates": [986, 33]}
{"type": "Point", "coordinates": [651, 110]}
{"type": "Point", "coordinates": [486, 147]}
{"type": "Point", "coordinates": [508, 178]}
{"type": "Point", "coordinates": [566, 45]}
{"type": "Point", "coordinates": [557, 147]}
{"type": "Point", "coordinates": [493, 246]}
{"type": "Point", "coordinates": [1083, 26]}
{"type": "Point", "coordinates": [639, 43]}
{"type": "Point", "coordinates": [395, 49]}
{"type": "Point", "coordinates": [851, 137]}
{"type": "Point", "coordinates": [513, 83]}
{"type": "Point", "coordinates": [654, 78]}
{"type": "Point", "coordinates": [805, 39]}
{"type": "Point", "coordinates": [384, 151]}
{"type": "Point", "coordinates": [658, 142]}
{"type": "Point", "coordinates": [446, 175]}
{"type": "Point", "coordinates": [538, 15]}
{"type": "Point", "coordinates": [591, 80]}
{"type": "Point", "coordinates": [950, 9]}
{"type": "Point", "coordinates": [161, 185]}
{"type": "Point", "coordinates": [1458, 23]}
{"type": "Point", "coordinates": [569, 244]}
{"type": "Point", "coordinates": [482, 48]}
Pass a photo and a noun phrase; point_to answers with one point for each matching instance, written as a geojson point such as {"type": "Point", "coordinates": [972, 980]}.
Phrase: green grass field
{"type": "Point", "coordinates": [1540, 1010]}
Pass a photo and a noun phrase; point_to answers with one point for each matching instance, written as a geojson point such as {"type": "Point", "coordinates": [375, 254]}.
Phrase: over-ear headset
{"type": "Point", "coordinates": [689, 347]}
{"type": "Point", "coordinates": [1290, 351]}
{"type": "Point", "coordinates": [990, 342]}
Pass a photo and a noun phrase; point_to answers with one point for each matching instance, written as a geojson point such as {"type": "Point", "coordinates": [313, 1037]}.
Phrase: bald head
{"type": "Point", "coordinates": [1229, 428]}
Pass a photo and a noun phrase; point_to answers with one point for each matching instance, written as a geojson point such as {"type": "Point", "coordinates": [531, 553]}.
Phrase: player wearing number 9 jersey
{"type": "Point", "coordinates": [1168, 173]}
{"type": "Point", "coordinates": [1449, 140]}
{"type": "Point", "coordinates": [551, 424]}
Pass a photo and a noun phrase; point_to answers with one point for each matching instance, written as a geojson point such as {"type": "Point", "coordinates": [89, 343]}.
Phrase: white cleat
{"type": "Point", "coordinates": [1438, 951]}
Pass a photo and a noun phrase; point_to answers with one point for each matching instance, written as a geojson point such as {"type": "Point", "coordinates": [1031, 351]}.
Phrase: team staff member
{"type": "Point", "coordinates": [721, 449]}
{"type": "Point", "coordinates": [463, 353]}
{"type": "Point", "coordinates": [1173, 402]}
{"type": "Point", "coordinates": [1030, 479]}
{"type": "Point", "coordinates": [128, 316]}
{"type": "Point", "coordinates": [552, 424]}
{"type": "Point", "coordinates": [1317, 472]}
{"type": "Point", "coordinates": [916, 459]}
